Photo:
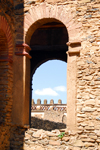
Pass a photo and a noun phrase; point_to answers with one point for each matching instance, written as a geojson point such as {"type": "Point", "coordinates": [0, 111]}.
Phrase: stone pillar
{"type": "Point", "coordinates": [59, 101]}
{"type": "Point", "coordinates": [52, 101]}
{"type": "Point", "coordinates": [73, 52]}
{"type": "Point", "coordinates": [38, 101]}
{"type": "Point", "coordinates": [21, 90]}
{"type": "Point", "coordinates": [45, 101]}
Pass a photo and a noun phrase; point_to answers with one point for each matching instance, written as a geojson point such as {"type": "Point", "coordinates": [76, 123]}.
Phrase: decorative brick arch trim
{"type": "Point", "coordinates": [7, 31]}
{"type": "Point", "coordinates": [33, 20]}
{"type": "Point", "coordinates": [37, 16]}
{"type": "Point", "coordinates": [6, 82]}
{"type": "Point", "coordinates": [44, 13]}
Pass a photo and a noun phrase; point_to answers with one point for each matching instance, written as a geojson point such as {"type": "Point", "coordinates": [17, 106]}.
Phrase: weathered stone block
{"type": "Point", "coordinates": [54, 143]}
{"type": "Point", "coordinates": [88, 109]}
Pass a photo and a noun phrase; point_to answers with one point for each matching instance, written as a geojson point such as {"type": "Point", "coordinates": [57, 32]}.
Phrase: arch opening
{"type": "Point", "coordinates": [50, 76]}
{"type": "Point", "coordinates": [48, 42]}
{"type": "Point", "coordinates": [49, 96]}
{"type": "Point", "coordinates": [51, 22]}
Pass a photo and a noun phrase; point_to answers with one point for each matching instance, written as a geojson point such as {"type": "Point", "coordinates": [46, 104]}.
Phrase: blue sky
{"type": "Point", "coordinates": [49, 81]}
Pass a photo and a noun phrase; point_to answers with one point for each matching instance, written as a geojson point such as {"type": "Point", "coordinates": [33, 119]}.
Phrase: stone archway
{"type": "Point", "coordinates": [48, 42]}
{"type": "Point", "coordinates": [6, 81]}
{"type": "Point", "coordinates": [32, 20]}
{"type": "Point", "coordinates": [36, 17]}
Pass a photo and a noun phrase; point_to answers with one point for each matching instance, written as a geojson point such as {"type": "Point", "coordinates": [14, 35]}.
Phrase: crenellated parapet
{"type": "Point", "coordinates": [45, 102]}
{"type": "Point", "coordinates": [47, 107]}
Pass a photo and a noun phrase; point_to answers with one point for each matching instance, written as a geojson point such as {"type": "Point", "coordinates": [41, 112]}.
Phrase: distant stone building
{"type": "Point", "coordinates": [33, 32]}
{"type": "Point", "coordinates": [52, 112]}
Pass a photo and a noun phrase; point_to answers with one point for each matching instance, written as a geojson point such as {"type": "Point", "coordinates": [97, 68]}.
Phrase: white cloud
{"type": "Point", "coordinates": [60, 88]}
{"type": "Point", "coordinates": [46, 91]}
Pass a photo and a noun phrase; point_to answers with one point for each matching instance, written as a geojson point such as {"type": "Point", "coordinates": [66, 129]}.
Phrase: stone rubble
{"type": "Point", "coordinates": [72, 140]}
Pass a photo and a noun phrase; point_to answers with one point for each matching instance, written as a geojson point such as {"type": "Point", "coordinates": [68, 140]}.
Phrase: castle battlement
{"type": "Point", "coordinates": [47, 107]}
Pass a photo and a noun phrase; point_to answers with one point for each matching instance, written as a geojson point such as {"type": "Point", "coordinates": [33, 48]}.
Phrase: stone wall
{"type": "Point", "coordinates": [88, 90]}
{"type": "Point", "coordinates": [6, 71]}
{"type": "Point", "coordinates": [16, 137]}
{"type": "Point", "coordinates": [55, 116]}
{"type": "Point", "coordinates": [87, 13]}
{"type": "Point", "coordinates": [82, 20]}
{"type": "Point", "coordinates": [88, 70]}
{"type": "Point", "coordinates": [49, 140]}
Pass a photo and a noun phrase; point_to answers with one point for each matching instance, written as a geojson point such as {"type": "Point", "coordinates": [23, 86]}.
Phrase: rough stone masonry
{"type": "Point", "coordinates": [19, 19]}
